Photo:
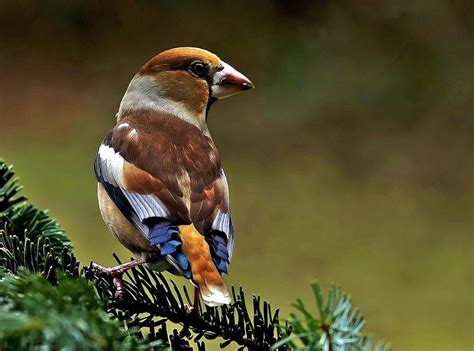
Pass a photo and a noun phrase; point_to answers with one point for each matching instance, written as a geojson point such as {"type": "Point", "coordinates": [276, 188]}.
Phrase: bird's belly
{"type": "Point", "coordinates": [123, 230]}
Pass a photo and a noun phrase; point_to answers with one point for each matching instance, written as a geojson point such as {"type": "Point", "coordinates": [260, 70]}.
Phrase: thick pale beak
{"type": "Point", "coordinates": [228, 81]}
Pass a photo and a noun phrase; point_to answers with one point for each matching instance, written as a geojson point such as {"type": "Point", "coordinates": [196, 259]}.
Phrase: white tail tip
{"type": "Point", "coordinates": [213, 295]}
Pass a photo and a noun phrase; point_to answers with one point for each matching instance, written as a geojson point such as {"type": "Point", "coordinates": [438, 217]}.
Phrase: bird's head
{"type": "Point", "coordinates": [184, 82]}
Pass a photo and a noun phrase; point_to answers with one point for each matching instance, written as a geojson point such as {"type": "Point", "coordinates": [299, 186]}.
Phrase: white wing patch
{"type": "Point", "coordinates": [111, 166]}
{"type": "Point", "coordinates": [146, 206]}
{"type": "Point", "coordinates": [223, 220]}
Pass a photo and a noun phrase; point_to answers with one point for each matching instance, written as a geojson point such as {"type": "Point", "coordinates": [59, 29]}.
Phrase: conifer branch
{"type": "Point", "coordinates": [337, 326]}
{"type": "Point", "coordinates": [45, 302]}
{"type": "Point", "coordinates": [25, 221]}
{"type": "Point", "coordinates": [9, 188]}
{"type": "Point", "coordinates": [151, 299]}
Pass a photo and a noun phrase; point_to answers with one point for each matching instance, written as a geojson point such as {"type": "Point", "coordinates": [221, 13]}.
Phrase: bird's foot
{"type": "Point", "coordinates": [195, 309]}
{"type": "Point", "coordinates": [119, 288]}
{"type": "Point", "coordinates": [188, 309]}
{"type": "Point", "coordinates": [117, 273]}
{"type": "Point", "coordinates": [192, 310]}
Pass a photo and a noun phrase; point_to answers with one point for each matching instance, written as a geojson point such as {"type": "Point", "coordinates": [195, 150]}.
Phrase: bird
{"type": "Point", "coordinates": [161, 188]}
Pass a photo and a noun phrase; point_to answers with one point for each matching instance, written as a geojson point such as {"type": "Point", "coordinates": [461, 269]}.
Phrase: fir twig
{"type": "Point", "coordinates": [35, 315]}
{"type": "Point", "coordinates": [9, 188]}
{"type": "Point", "coordinates": [151, 300]}
{"type": "Point", "coordinates": [36, 256]}
{"type": "Point", "coordinates": [29, 238]}
{"type": "Point", "coordinates": [24, 220]}
{"type": "Point", "coordinates": [338, 327]}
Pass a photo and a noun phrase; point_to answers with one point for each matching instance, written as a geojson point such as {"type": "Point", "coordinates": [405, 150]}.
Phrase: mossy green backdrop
{"type": "Point", "coordinates": [350, 163]}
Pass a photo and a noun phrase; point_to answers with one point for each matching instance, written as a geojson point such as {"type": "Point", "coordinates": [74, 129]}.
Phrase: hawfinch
{"type": "Point", "coordinates": [161, 189]}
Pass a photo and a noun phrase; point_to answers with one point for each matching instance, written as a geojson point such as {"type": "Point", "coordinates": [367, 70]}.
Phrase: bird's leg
{"type": "Point", "coordinates": [118, 270]}
{"type": "Point", "coordinates": [196, 305]}
{"type": "Point", "coordinates": [117, 273]}
{"type": "Point", "coordinates": [195, 308]}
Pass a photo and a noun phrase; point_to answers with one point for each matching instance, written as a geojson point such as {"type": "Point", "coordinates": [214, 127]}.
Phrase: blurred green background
{"type": "Point", "coordinates": [351, 162]}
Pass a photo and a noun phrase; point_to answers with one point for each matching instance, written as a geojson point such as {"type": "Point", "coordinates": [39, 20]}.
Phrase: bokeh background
{"type": "Point", "coordinates": [350, 163]}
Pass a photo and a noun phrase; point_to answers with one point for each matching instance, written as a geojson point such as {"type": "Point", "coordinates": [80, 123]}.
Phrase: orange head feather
{"type": "Point", "coordinates": [184, 82]}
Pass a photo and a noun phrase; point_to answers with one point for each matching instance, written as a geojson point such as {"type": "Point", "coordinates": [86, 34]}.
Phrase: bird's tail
{"type": "Point", "coordinates": [205, 275]}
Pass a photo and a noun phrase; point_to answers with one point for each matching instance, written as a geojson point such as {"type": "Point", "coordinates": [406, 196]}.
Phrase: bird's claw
{"type": "Point", "coordinates": [192, 310]}
{"type": "Point", "coordinates": [99, 268]}
{"type": "Point", "coordinates": [119, 288]}
{"type": "Point", "coordinates": [116, 274]}
{"type": "Point", "coordinates": [188, 309]}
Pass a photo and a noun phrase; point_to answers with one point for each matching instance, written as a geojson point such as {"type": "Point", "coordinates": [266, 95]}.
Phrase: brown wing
{"type": "Point", "coordinates": [170, 159]}
{"type": "Point", "coordinates": [207, 202]}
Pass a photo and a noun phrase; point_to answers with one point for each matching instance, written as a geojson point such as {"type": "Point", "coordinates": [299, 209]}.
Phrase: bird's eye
{"type": "Point", "coordinates": [199, 69]}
